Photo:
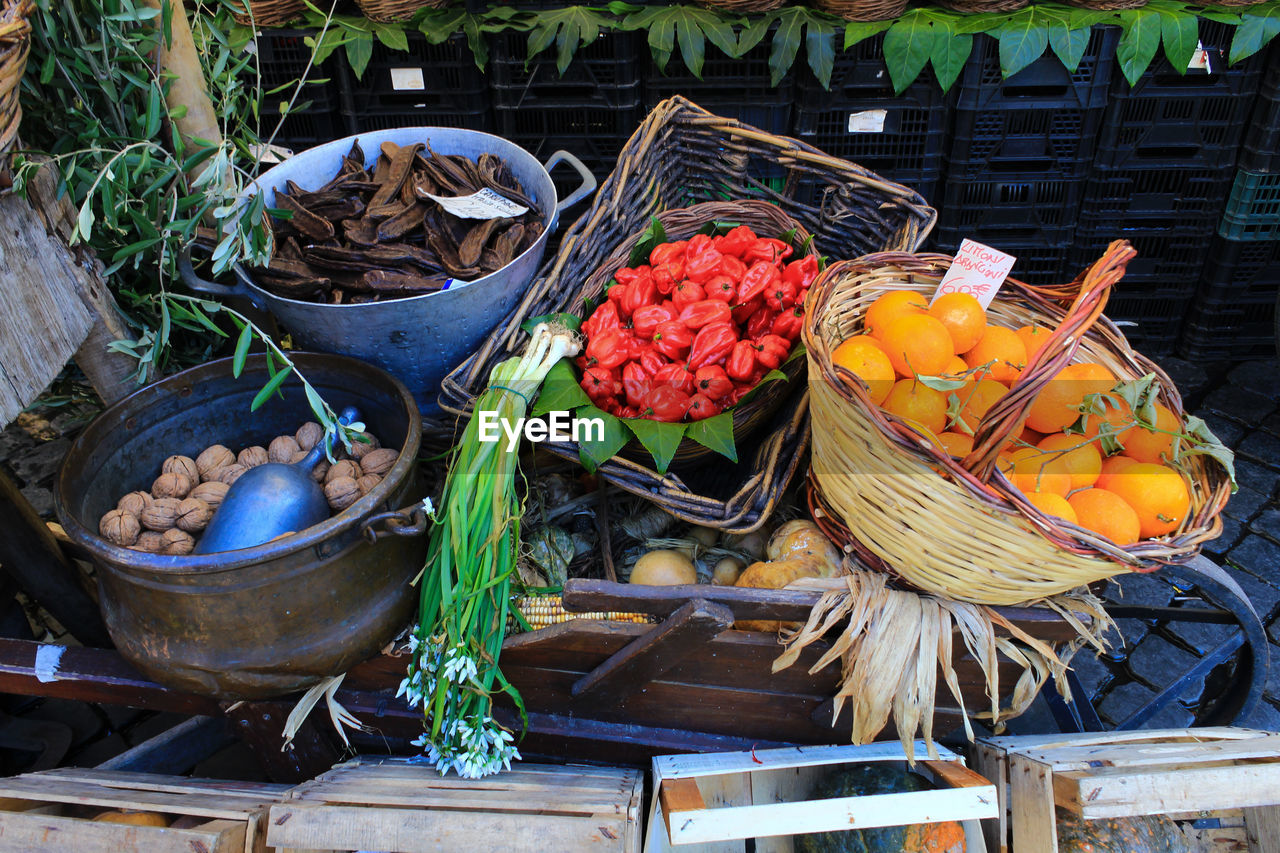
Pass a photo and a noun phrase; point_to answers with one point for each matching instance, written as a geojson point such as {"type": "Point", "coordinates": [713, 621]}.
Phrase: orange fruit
{"type": "Point", "coordinates": [1003, 349]}
{"type": "Point", "coordinates": [1073, 455]}
{"type": "Point", "coordinates": [956, 368]}
{"type": "Point", "coordinates": [1030, 436]}
{"type": "Point", "coordinates": [1120, 420]}
{"type": "Point", "coordinates": [1051, 504]}
{"type": "Point", "coordinates": [862, 357]}
{"type": "Point", "coordinates": [1151, 446]}
{"type": "Point", "coordinates": [956, 443]}
{"type": "Point", "coordinates": [1107, 514]}
{"type": "Point", "coordinates": [1032, 473]}
{"type": "Point", "coordinates": [911, 400]}
{"type": "Point", "coordinates": [980, 398]}
{"type": "Point", "coordinates": [917, 344]}
{"type": "Point", "coordinates": [1157, 493]}
{"type": "Point", "coordinates": [1033, 338]}
{"type": "Point", "coordinates": [964, 317]}
{"type": "Point", "coordinates": [1112, 467]}
{"type": "Point", "coordinates": [890, 306]}
{"type": "Point", "coordinates": [1058, 404]}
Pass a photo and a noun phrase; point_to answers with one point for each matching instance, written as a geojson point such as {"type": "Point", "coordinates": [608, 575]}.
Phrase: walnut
{"type": "Point", "coordinates": [182, 465]}
{"type": "Point", "coordinates": [252, 457]}
{"type": "Point", "coordinates": [378, 461]}
{"type": "Point", "coordinates": [341, 493]}
{"type": "Point", "coordinates": [120, 527]}
{"type": "Point", "coordinates": [368, 482]}
{"type": "Point", "coordinates": [230, 473]}
{"type": "Point", "coordinates": [308, 435]}
{"type": "Point", "coordinates": [343, 468]}
{"type": "Point", "coordinates": [193, 515]}
{"type": "Point", "coordinates": [360, 448]}
{"type": "Point", "coordinates": [161, 514]}
{"type": "Point", "coordinates": [282, 448]}
{"type": "Point", "coordinates": [211, 493]}
{"type": "Point", "coordinates": [171, 485]}
{"type": "Point", "coordinates": [212, 458]}
{"type": "Point", "coordinates": [149, 542]}
{"type": "Point", "coordinates": [134, 503]}
{"type": "Point", "coordinates": [178, 542]}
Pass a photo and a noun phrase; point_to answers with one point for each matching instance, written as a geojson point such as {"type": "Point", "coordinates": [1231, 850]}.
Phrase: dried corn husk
{"type": "Point", "coordinates": [894, 642]}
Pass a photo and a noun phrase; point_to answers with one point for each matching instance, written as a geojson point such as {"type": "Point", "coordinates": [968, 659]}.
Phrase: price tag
{"type": "Point", "coordinates": [485, 204]}
{"type": "Point", "coordinates": [1200, 59]}
{"type": "Point", "coordinates": [978, 270]}
{"type": "Point", "coordinates": [407, 80]}
{"type": "Point", "coordinates": [867, 121]}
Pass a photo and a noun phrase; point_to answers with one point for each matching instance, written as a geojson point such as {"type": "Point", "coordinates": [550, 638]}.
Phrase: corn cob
{"type": "Point", "coordinates": [542, 611]}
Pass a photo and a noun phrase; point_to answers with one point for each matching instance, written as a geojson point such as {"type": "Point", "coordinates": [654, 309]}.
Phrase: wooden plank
{"type": "Point", "coordinates": [1156, 754]}
{"type": "Point", "coordinates": [552, 801]}
{"type": "Point", "coordinates": [956, 775]}
{"type": "Point", "coordinates": [1185, 789]}
{"type": "Point", "coordinates": [650, 656]}
{"type": "Point", "coordinates": [785, 785]}
{"type": "Point", "coordinates": [25, 831]}
{"type": "Point", "coordinates": [989, 762]}
{"type": "Point", "coordinates": [420, 831]}
{"type": "Point", "coordinates": [678, 797]}
{"type": "Point", "coordinates": [261, 725]}
{"type": "Point", "coordinates": [65, 791]}
{"type": "Point", "coordinates": [177, 749]}
{"type": "Point", "coordinates": [1034, 823]}
{"type": "Point", "coordinates": [1262, 828]}
{"type": "Point", "coordinates": [689, 766]}
{"type": "Point", "coordinates": [256, 793]}
{"type": "Point", "coordinates": [1022, 743]}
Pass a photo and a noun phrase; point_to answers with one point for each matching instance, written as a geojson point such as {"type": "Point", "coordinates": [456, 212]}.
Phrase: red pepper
{"type": "Point", "coordinates": [760, 323]}
{"type": "Point", "coordinates": [617, 293]}
{"type": "Point", "coordinates": [581, 362]}
{"type": "Point", "coordinates": [736, 242]}
{"type": "Point", "coordinates": [665, 403]}
{"type": "Point", "coordinates": [701, 407]}
{"type": "Point", "coordinates": [663, 280]}
{"type": "Point", "coordinates": [636, 383]}
{"type": "Point", "coordinates": [759, 279]}
{"type": "Point", "coordinates": [641, 292]}
{"type": "Point", "coordinates": [801, 296]}
{"type": "Point", "coordinates": [610, 349]}
{"type": "Point", "coordinates": [721, 287]}
{"type": "Point", "coordinates": [610, 405]}
{"type": "Point", "coordinates": [742, 313]}
{"type": "Point", "coordinates": [712, 344]}
{"type": "Point", "coordinates": [703, 266]}
{"type": "Point", "coordinates": [667, 252]}
{"type": "Point", "coordinates": [645, 320]}
{"type": "Point", "coordinates": [801, 273]}
{"type": "Point", "coordinates": [742, 362]}
{"type": "Point", "coordinates": [772, 350]}
{"type": "Point", "coordinates": [599, 383]}
{"type": "Point", "coordinates": [767, 249]}
{"type": "Point", "coordinates": [713, 381]}
{"type": "Point", "coordinates": [789, 323]}
{"type": "Point", "coordinates": [699, 314]}
{"type": "Point", "coordinates": [697, 244]}
{"type": "Point", "coordinates": [673, 340]}
{"type": "Point", "coordinates": [677, 376]}
{"type": "Point", "coordinates": [782, 294]}
{"type": "Point", "coordinates": [651, 360]}
{"type": "Point", "coordinates": [603, 319]}
{"type": "Point", "coordinates": [627, 275]}
{"type": "Point", "coordinates": [627, 412]}
{"type": "Point", "coordinates": [686, 293]}
{"type": "Point", "coordinates": [732, 267]}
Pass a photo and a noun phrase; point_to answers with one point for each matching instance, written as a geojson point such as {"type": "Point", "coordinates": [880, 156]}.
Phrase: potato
{"type": "Point", "coordinates": [664, 568]}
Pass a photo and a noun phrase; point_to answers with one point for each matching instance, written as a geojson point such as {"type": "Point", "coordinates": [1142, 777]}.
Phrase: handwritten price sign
{"type": "Point", "coordinates": [978, 270]}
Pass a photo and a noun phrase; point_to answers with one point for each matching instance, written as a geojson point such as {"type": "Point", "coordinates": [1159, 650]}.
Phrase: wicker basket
{"type": "Point", "coordinates": [973, 6]}
{"type": "Point", "coordinates": [863, 10]}
{"type": "Point", "coordinates": [957, 527]}
{"type": "Point", "coordinates": [743, 7]}
{"type": "Point", "coordinates": [269, 13]}
{"type": "Point", "coordinates": [1112, 5]}
{"type": "Point", "coordinates": [767, 220]}
{"type": "Point", "coordinates": [1231, 3]}
{"type": "Point", "coordinates": [387, 11]}
{"type": "Point", "coordinates": [15, 44]}
{"type": "Point", "coordinates": [682, 155]}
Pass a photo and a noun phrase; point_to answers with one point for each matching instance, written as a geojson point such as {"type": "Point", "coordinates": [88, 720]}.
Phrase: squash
{"type": "Point", "coordinates": [132, 817]}
{"type": "Point", "coordinates": [879, 778]}
{"type": "Point", "coordinates": [1141, 834]}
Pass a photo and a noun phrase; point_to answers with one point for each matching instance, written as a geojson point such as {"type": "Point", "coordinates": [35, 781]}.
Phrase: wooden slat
{"type": "Point", "coordinates": [256, 792]}
{"type": "Point", "coordinates": [677, 796]}
{"type": "Point", "coordinates": [1021, 743]}
{"type": "Point", "coordinates": [25, 831]}
{"type": "Point", "coordinates": [1155, 754]}
{"type": "Point", "coordinates": [1031, 795]}
{"type": "Point", "coordinates": [990, 763]}
{"type": "Point", "coordinates": [551, 800]}
{"type": "Point", "coordinates": [1262, 828]}
{"type": "Point", "coordinates": [65, 791]}
{"type": "Point", "coordinates": [1095, 795]}
{"type": "Point", "coordinates": [956, 775]}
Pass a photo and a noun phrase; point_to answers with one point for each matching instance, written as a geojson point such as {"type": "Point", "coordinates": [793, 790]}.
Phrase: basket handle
{"type": "Point", "coordinates": [1008, 414]}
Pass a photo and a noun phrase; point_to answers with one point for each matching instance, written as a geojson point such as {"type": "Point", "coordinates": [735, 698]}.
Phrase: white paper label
{"type": "Point", "coordinates": [978, 270]}
{"type": "Point", "coordinates": [485, 204]}
{"type": "Point", "coordinates": [47, 659]}
{"type": "Point", "coordinates": [407, 80]}
{"type": "Point", "coordinates": [1200, 59]}
{"type": "Point", "coordinates": [868, 121]}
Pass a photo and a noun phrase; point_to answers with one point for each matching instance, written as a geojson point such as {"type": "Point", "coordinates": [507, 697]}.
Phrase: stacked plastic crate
{"type": "Point", "coordinates": [1234, 312]}
{"type": "Point", "coordinates": [861, 119]}
{"type": "Point", "coordinates": [428, 85]}
{"type": "Point", "coordinates": [1019, 153]}
{"type": "Point", "coordinates": [315, 115]}
{"type": "Point", "coordinates": [1164, 163]}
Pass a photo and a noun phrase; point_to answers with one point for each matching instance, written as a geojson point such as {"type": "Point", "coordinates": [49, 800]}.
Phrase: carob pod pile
{"type": "Point", "coordinates": [364, 237]}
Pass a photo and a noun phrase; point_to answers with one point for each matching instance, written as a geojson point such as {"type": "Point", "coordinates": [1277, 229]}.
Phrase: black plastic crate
{"type": "Point", "coordinates": [1168, 255]}
{"type": "Point", "coordinates": [302, 130]}
{"type": "Point", "coordinates": [588, 129]}
{"type": "Point", "coordinates": [282, 60]}
{"type": "Point", "coordinates": [1045, 82]}
{"type": "Point", "coordinates": [734, 88]}
{"type": "Point", "coordinates": [1028, 209]}
{"type": "Point", "coordinates": [1037, 263]}
{"type": "Point", "coordinates": [1055, 142]}
{"type": "Point", "coordinates": [1253, 210]}
{"type": "Point", "coordinates": [1194, 195]}
{"type": "Point", "coordinates": [1151, 316]}
{"type": "Point", "coordinates": [1260, 151]}
{"type": "Point", "coordinates": [881, 133]}
{"type": "Point", "coordinates": [605, 72]}
{"type": "Point", "coordinates": [1234, 314]}
{"type": "Point", "coordinates": [423, 116]}
{"type": "Point", "coordinates": [433, 78]}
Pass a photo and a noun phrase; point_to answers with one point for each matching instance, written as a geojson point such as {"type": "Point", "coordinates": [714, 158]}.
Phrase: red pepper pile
{"type": "Point", "coordinates": [692, 331]}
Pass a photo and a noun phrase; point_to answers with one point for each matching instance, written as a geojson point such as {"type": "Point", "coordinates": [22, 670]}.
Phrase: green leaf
{"type": "Point", "coordinates": [359, 52]}
{"type": "Point", "coordinates": [820, 49]}
{"type": "Point", "coordinates": [84, 223]}
{"type": "Point", "coordinates": [315, 401]}
{"type": "Point", "coordinates": [948, 58]}
{"type": "Point", "coordinates": [1256, 29]}
{"type": "Point", "coordinates": [785, 45]}
{"type": "Point", "coordinates": [595, 453]}
{"type": "Point", "coordinates": [715, 433]}
{"type": "Point", "coordinates": [1205, 443]}
{"type": "Point", "coordinates": [560, 391]}
{"type": "Point", "coordinates": [1068, 44]}
{"type": "Point", "coordinates": [242, 350]}
{"type": "Point", "coordinates": [770, 377]}
{"type": "Point", "coordinates": [856, 31]}
{"type": "Point", "coordinates": [660, 439]}
{"type": "Point", "coordinates": [754, 33]}
{"type": "Point", "coordinates": [1023, 40]}
{"type": "Point", "coordinates": [569, 321]}
{"type": "Point", "coordinates": [569, 29]}
{"type": "Point", "coordinates": [1138, 43]}
{"type": "Point", "coordinates": [273, 384]}
{"type": "Point", "coordinates": [392, 36]}
{"type": "Point", "coordinates": [937, 383]}
{"type": "Point", "coordinates": [652, 236]}
{"type": "Point", "coordinates": [1180, 34]}
{"type": "Point", "coordinates": [908, 44]}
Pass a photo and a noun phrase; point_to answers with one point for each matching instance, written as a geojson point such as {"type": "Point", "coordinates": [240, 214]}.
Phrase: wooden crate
{"type": "Point", "coordinates": [1177, 772]}
{"type": "Point", "coordinates": [713, 803]}
{"type": "Point", "coordinates": [54, 809]}
{"type": "Point", "coordinates": [398, 806]}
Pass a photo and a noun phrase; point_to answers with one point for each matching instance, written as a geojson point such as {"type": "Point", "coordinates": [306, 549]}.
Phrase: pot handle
{"type": "Point", "coordinates": [239, 290]}
{"type": "Point", "coordinates": [410, 521]}
{"type": "Point", "coordinates": [587, 187]}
